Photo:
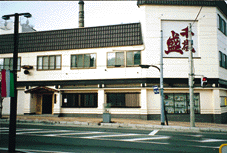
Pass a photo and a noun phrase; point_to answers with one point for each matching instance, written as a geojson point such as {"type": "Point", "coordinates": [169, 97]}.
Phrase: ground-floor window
{"type": "Point", "coordinates": [180, 103]}
{"type": "Point", "coordinates": [79, 100]}
{"type": "Point", "coordinates": [123, 100]}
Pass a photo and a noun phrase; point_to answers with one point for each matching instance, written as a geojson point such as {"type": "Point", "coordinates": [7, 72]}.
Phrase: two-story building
{"type": "Point", "coordinates": [75, 72]}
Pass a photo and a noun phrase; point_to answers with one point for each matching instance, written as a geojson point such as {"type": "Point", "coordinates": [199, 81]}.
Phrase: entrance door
{"type": "Point", "coordinates": [47, 104]}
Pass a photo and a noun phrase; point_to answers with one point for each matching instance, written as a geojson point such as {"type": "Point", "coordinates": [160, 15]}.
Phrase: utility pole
{"type": "Point", "coordinates": [161, 83]}
{"type": "Point", "coordinates": [191, 78]}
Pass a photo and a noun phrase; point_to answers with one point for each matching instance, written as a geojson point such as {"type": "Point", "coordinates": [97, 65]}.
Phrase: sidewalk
{"type": "Point", "coordinates": [119, 123]}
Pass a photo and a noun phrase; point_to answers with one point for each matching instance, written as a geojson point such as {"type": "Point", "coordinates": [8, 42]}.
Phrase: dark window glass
{"type": "Point", "coordinates": [125, 100]}
{"type": "Point", "coordinates": [80, 100]}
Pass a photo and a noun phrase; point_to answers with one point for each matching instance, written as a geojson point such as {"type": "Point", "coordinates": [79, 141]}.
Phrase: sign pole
{"type": "Point", "coordinates": [161, 83]}
{"type": "Point", "coordinates": [191, 77]}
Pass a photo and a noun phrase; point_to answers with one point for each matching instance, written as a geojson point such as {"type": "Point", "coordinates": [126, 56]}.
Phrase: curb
{"type": "Point", "coordinates": [122, 125]}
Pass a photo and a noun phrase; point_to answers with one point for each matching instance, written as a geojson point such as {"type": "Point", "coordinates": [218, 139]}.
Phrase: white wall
{"type": "Point", "coordinates": [207, 61]}
{"type": "Point", "coordinates": [20, 103]}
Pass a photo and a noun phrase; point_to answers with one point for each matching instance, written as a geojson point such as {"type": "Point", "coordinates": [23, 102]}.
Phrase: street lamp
{"type": "Point", "coordinates": [161, 79]}
{"type": "Point", "coordinates": [13, 100]}
{"type": "Point", "coordinates": [161, 90]}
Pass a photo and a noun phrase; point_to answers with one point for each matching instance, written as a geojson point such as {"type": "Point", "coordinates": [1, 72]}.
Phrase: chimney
{"type": "Point", "coordinates": [81, 14]}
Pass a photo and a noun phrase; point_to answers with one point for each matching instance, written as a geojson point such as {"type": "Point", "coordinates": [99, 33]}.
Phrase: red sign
{"type": "Point", "coordinates": [174, 45]}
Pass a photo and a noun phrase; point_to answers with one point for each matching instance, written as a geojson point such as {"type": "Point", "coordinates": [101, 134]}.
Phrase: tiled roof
{"type": "Point", "coordinates": [217, 3]}
{"type": "Point", "coordinates": [90, 37]}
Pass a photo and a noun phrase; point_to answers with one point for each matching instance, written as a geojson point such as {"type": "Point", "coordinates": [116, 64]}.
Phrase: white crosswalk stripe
{"type": "Point", "coordinates": [77, 133]}
{"type": "Point", "coordinates": [115, 135]}
{"type": "Point", "coordinates": [148, 138]}
{"type": "Point", "coordinates": [42, 131]}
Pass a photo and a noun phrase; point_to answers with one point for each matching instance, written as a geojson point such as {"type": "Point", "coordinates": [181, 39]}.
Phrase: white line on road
{"type": "Point", "coordinates": [33, 151]}
{"type": "Point", "coordinates": [153, 132]}
{"type": "Point", "coordinates": [77, 133]}
{"type": "Point", "coordinates": [150, 138]}
{"type": "Point", "coordinates": [43, 131]}
{"type": "Point", "coordinates": [115, 135]}
{"type": "Point", "coordinates": [211, 140]}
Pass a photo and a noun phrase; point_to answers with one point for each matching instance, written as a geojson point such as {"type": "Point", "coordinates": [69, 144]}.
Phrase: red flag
{"type": "Point", "coordinates": [3, 93]}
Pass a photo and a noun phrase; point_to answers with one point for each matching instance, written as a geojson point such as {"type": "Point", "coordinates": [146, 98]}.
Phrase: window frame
{"type": "Point", "coordinates": [222, 25]}
{"type": "Point", "coordinates": [186, 106]}
{"type": "Point", "coordinates": [83, 59]}
{"type": "Point", "coordinates": [124, 101]}
{"type": "Point", "coordinates": [125, 59]}
{"type": "Point", "coordinates": [134, 65]}
{"type": "Point", "coordinates": [80, 102]}
{"type": "Point", "coordinates": [49, 64]}
{"type": "Point", "coordinates": [11, 62]}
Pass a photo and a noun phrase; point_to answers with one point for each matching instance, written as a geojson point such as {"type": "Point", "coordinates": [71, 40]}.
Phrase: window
{"type": "Point", "coordinates": [133, 58]}
{"type": "Point", "coordinates": [80, 100]}
{"type": "Point", "coordinates": [117, 59]}
{"type": "Point", "coordinates": [123, 100]}
{"type": "Point", "coordinates": [178, 103]}
{"type": "Point", "coordinates": [222, 60]}
{"type": "Point", "coordinates": [222, 25]}
{"type": "Point", "coordinates": [83, 61]}
{"type": "Point", "coordinates": [7, 63]}
{"type": "Point", "coordinates": [52, 62]}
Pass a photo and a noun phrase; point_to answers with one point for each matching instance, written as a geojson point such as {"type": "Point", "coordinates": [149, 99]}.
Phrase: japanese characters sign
{"type": "Point", "coordinates": [175, 39]}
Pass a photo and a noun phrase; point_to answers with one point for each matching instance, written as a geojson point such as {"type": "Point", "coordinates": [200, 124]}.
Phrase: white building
{"type": "Point", "coordinates": [74, 72]}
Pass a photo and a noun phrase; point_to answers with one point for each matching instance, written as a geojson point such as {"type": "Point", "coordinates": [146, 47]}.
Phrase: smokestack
{"type": "Point", "coordinates": [81, 14]}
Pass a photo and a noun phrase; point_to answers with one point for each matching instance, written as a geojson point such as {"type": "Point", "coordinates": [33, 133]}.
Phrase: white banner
{"type": "Point", "coordinates": [175, 38]}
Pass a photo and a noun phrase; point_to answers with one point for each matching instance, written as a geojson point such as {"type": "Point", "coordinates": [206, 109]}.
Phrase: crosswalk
{"type": "Point", "coordinates": [151, 137]}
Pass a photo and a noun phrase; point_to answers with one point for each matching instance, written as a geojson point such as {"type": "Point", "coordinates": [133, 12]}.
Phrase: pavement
{"type": "Point", "coordinates": [119, 123]}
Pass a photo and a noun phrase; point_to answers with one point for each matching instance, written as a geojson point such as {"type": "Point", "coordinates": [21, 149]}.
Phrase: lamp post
{"type": "Point", "coordinates": [161, 91]}
{"type": "Point", "coordinates": [13, 100]}
{"type": "Point", "coordinates": [161, 79]}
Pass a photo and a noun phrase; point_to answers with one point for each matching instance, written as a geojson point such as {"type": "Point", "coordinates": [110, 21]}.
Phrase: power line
{"type": "Point", "coordinates": [197, 15]}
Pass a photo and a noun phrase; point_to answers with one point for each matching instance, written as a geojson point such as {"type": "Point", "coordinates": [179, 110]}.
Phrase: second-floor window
{"type": "Point", "coordinates": [124, 58]}
{"type": "Point", "coordinates": [7, 63]}
{"type": "Point", "coordinates": [222, 25]}
{"type": "Point", "coordinates": [83, 61]}
{"type": "Point", "coordinates": [52, 62]}
{"type": "Point", "coordinates": [222, 60]}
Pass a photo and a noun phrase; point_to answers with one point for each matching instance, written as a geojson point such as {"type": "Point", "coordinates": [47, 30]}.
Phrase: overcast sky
{"type": "Point", "coordinates": [53, 15]}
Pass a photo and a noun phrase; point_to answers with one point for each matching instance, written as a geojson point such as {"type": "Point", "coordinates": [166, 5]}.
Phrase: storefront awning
{"type": "Point", "coordinates": [41, 89]}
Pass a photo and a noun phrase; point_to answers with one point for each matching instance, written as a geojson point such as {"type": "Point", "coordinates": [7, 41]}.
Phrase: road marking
{"type": "Point", "coordinates": [214, 147]}
{"type": "Point", "coordinates": [153, 132]}
{"type": "Point", "coordinates": [73, 133]}
{"type": "Point", "coordinates": [18, 130]}
{"type": "Point", "coordinates": [103, 136]}
{"type": "Point", "coordinates": [197, 136]}
{"type": "Point", "coordinates": [211, 140]}
{"type": "Point", "coordinates": [150, 138]}
{"type": "Point", "coordinates": [43, 131]}
{"type": "Point", "coordinates": [33, 151]}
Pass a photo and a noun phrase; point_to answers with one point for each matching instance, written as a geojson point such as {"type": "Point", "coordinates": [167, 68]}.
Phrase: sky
{"type": "Point", "coordinates": [54, 15]}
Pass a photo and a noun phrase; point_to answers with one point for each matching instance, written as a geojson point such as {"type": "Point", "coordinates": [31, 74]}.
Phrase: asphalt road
{"type": "Point", "coordinates": [43, 138]}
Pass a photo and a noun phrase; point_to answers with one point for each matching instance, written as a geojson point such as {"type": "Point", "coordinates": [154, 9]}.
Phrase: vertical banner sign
{"type": "Point", "coordinates": [11, 84]}
{"type": "Point", "coordinates": [7, 83]}
{"type": "Point", "coordinates": [3, 90]}
{"type": "Point", "coordinates": [175, 39]}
